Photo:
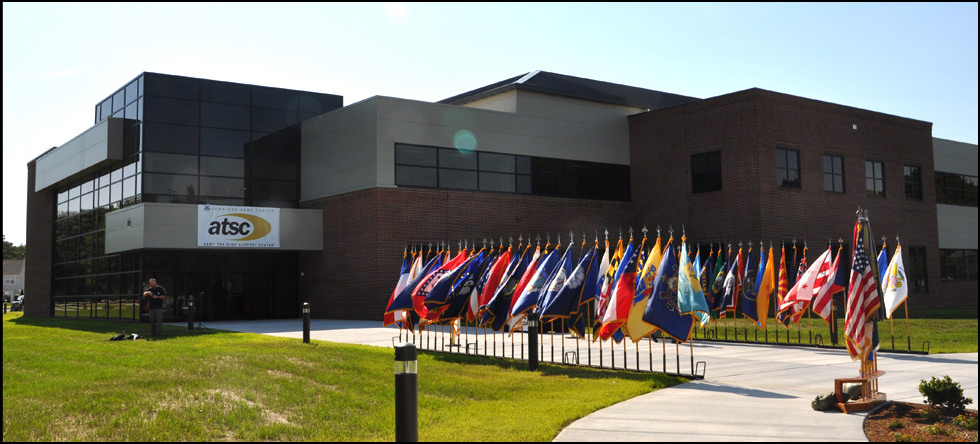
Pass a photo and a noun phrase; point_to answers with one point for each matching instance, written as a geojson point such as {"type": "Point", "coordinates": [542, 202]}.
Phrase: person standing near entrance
{"type": "Point", "coordinates": [157, 295]}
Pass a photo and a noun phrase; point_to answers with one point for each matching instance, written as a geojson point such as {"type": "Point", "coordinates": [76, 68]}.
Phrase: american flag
{"type": "Point", "coordinates": [862, 300]}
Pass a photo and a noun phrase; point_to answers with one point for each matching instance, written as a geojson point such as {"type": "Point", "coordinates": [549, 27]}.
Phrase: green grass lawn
{"type": "Point", "coordinates": [948, 330]}
{"type": "Point", "coordinates": [64, 381]}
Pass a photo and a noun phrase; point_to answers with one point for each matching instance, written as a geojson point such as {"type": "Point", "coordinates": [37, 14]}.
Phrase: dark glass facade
{"type": "Point", "coordinates": [449, 168]}
{"type": "Point", "coordinates": [192, 141]}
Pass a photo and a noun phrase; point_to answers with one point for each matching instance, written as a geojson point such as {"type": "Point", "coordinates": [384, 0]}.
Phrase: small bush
{"type": "Point", "coordinates": [944, 394]}
{"type": "Point", "coordinates": [937, 429]}
{"type": "Point", "coordinates": [895, 424]}
{"type": "Point", "coordinates": [898, 437]}
{"type": "Point", "coordinates": [931, 415]}
{"type": "Point", "coordinates": [965, 422]}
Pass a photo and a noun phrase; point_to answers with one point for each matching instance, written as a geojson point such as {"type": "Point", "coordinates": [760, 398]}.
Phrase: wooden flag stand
{"type": "Point", "coordinates": [870, 396]}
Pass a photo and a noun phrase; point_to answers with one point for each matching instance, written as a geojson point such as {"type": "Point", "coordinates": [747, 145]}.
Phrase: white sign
{"type": "Point", "coordinates": [238, 227]}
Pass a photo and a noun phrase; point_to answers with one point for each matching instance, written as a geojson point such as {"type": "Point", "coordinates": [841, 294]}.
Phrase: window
{"type": "Point", "coordinates": [956, 189]}
{"type": "Point", "coordinates": [833, 173]}
{"type": "Point", "coordinates": [787, 168]}
{"type": "Point", "coordinates": [448, 168]}
{"type": "Point", "coordinates": [958, 264]}
{"type": "Point", "coordinates": [916, 269]}
{"type": "Point", "coordinates": [913, 182]}
{"type": "Point", "coordinates": [706, 172]}
{"type": "Point", "coordinates": [874, 175]}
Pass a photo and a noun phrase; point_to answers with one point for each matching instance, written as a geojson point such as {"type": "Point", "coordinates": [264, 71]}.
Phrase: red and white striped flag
{"type": "Point", "coordinates": [822, 294]}
{"type": "Point", "coordinates": [862, 299]}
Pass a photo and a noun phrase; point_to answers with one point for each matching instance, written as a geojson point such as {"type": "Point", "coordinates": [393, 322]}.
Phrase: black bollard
{"type": "Point", "coordinates": [190, 312]}
{"type": "Point", "coordinates": [532, 331]}
{"type": "Point", "coordinates": [406, 393]}
{"type": "Point", "coordinates": [306, 322]}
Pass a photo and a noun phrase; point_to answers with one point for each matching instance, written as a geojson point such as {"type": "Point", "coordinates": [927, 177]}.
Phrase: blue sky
{"type": "Point", "coordinates": [913, 60]}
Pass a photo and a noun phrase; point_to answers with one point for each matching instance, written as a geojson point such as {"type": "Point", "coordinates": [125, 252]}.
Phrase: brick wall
{"type": "Point", "coordinates": [747, 127]}
{"type": "Point", "coordinates": [40, 223]}
{"type": "Point", "coordinates": [366, 231]}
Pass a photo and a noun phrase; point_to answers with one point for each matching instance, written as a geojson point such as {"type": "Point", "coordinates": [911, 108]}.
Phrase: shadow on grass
{"type": "Point", "coordinates": [656, 380]}
{"type": "Point", "coordinates": [111, 328]}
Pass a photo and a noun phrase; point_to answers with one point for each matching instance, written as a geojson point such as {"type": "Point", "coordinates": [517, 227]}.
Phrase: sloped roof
{"type": "Point", "coordinates": [578, 88]}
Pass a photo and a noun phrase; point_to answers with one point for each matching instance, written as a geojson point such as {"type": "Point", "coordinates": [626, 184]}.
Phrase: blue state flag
{"type": "Point", "coordinates": [747, 300]}
{"type": "Point", "coordinates": [459, 295]}
{"type": "Point", "coordinates": [528, 298]}
{"type": "Point", "coordinates": [662, 310]}
{"type": "Point", "coordinates": [403, 301]}
{"type": "Point", "coordinates": [496, 311]}
{"type": "Point", "coordinates": [690, 296]}
{"type": "Point", "coordinates": [883, 264]}
{"type": "Point", "coordinates": [563, 276]}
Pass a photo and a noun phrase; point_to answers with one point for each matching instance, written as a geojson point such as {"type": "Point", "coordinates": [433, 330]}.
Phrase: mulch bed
{"type": "Point", "coordinates": [907, 422]}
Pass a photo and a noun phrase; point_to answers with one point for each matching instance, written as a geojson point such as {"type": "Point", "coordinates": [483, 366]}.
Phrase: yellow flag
{"type": "Point", "coordinates": [636, 328]}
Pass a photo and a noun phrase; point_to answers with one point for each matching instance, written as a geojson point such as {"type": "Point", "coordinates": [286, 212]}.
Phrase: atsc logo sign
{"type": "Point", "coordinates": [226, 226]}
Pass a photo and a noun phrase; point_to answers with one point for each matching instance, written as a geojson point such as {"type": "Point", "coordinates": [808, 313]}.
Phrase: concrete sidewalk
{"type": "Point", "coordinates": [750, 392]}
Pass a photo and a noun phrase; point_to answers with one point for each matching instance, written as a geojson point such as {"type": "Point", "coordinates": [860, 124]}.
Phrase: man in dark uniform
{"type": "Point", "coordinates": [157, 295]}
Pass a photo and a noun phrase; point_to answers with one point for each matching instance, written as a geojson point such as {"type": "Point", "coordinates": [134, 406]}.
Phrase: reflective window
{"type": "Point", "coordinates": [274, 98]}
{"type": "Point", "coordinates": [222, 187]}
{"type": "Point", "coordinates": [456, 159]}
{"type": "Point", "coordinates": [86, 202]}
{"type": "Point", "coordinates": [523, 164]}
{"type": "Point", "coordinates": [132, 91]}
{"type": "Point", "coordinates": [270, 120]}
{"type": "Point", "coordinates": [958, 264]}
{"type": "Point", "coordinates": [787, 168]}
{"type": "Point", "coordinates": [457, 179]}
{"type": "Point", "coordinates": [223, 92]}
{"type": "Point", "coordinates": [416, 176]}
{"type": "Point", "coordinates": [170, 138]}
{"type": "Point", "coordinates": [225, 143]}
{"type": "Point", "coordinates": [706, 172]}
{"type": "Point", "coordinates": [497, 182]}
{"type": "Point", "coordinates": [116, 175]}
{"type": "Point", "coordinates": [161, 85]}
{"type": "Point", "coordinates": [87, 186]}
{"type": "Point", "coordinates": [115, 194]}
{"type": "Point", "coordinates": [415, 155]}
{"type": "Point", "coordinates": [956, 189]}
{"type": "Point", "coordinates": [170, 163]}
{"type": "Point", "coordinates": [129, 170]}
{"type": "Point", "coordinates": [272, 190]}
{"type": "Point", "coordinates": [319, 103]}
{"type": "Point", "coordinates": [501, 163]}
{"type": "Point", "coordinates": [106, 108]}
{"type": "Point", "coordinates": [104, 196]}
{"type": "Point", "coordinates": [222, 166]}
{"type": "Point", "coordinates": [225, 116]}
{"type": "Point", "coordinates": [833, 173]}
{"type": "Point", "coordinates": [913, 182]}
{"type": "Point", "coordinates": [874, 178]}
{"type": "Point", "coordinates": [184, 112]}
{"type": "Point", "coordinates": [132, 111]}
{"type": "Point", "coordinates": [118, 100]}
{"type": "Point", "coordinates": [129, 187]}
{"type": "Point", "coordinates": [171, 184]}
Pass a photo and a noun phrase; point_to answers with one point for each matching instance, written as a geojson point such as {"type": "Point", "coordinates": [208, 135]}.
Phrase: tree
{"type": "Point", "coordinates": [10, 251]}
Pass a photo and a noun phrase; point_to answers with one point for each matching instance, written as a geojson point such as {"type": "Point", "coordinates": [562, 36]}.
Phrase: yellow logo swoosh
{"type": "Point", "coordinates": [261, 226]}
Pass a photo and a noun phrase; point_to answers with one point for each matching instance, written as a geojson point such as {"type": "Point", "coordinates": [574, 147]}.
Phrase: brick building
{"type": "Point", "coordinates": [537, 154]}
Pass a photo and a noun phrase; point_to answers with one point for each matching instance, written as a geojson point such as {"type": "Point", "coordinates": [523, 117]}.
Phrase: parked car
{"type": "Point", "coordinates": [18, 304]}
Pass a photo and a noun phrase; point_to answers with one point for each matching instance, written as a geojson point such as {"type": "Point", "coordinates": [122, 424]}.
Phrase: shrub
{"type": "Point", "coordinates": [937, 429]}
{"type": "Point", "coordinates": [931, 415]}
{"type": "Point", "coordinates": [944, 394]}
{"type": "Point", "coordinates": [965, 422]}
{"type": "Point", "coordinates": [895, 425]}
{"type": "Point", "coordinates": [898, 437]}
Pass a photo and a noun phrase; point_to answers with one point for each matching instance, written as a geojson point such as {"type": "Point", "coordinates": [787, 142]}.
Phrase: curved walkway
{"type": "Point", "coordinates": [750, 392]}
